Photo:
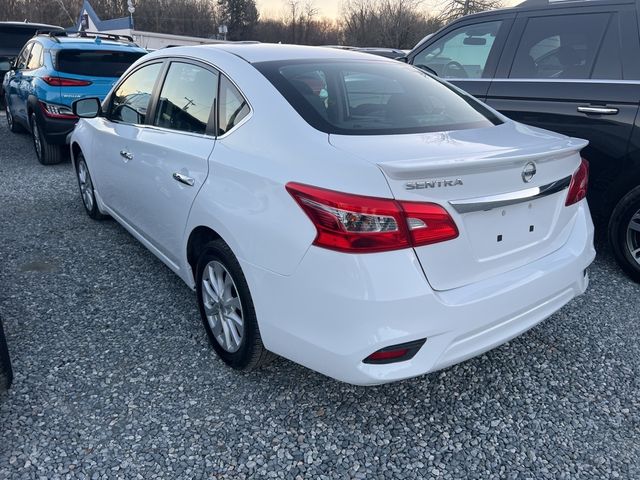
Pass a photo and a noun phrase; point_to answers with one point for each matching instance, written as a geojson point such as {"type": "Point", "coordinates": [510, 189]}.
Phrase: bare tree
{"type": "Point", "coordinates": [453, 9]}
{"type": "Point", "coordinates": [386, 23]}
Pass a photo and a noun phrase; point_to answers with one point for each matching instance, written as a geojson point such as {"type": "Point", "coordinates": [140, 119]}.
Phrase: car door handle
{"type": "Point", "coordinates": [126, 155]}
{"type": "Point", "coordinates": [183, 179]}
{"type": "Point", "coordinates": [599, 110]}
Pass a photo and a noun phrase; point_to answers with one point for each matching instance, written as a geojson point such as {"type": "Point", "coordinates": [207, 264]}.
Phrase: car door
{"type": "Point", "coordinates": [467, 52]}
{"type": "Point", "coordinates": [571, 70]}
{"type": "Point", "coordinates": [170, 158]}
{"type": "Point", "coordinates": [15, 92]}
{"type": "Point", "coordinates": [117, 135]}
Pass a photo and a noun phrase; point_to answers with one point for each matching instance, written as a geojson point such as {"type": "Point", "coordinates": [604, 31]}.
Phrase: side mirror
{"type": "Point", "coordinates": [87, 107]}
{"type": "Point", "coordinates": [5, 65]}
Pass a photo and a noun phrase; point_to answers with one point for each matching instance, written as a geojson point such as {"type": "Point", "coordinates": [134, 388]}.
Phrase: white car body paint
{"type": "Point", "coordinates": [329, 310]}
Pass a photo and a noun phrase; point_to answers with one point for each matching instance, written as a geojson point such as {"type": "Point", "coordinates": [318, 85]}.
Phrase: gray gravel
{"type": "Point", "coordinates": [114, 377]}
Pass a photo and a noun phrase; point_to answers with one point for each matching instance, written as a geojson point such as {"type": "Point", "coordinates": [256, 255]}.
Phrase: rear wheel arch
{"type": "Point", "coordinates": [198, 239]}
{"type": "Point", "coordinates": [620, 187]}
{"type": "Point", "coordinates": [32, 106]}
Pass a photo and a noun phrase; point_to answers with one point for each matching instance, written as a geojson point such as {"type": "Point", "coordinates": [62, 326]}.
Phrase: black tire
{"type": "Point", "coordinates": [6, 373]}
{"type": "Point", "coordinates": [624, 241]}
{"type": "Point", "coordinates": [87, 191]}
{"type": "Point", "coordinates": [251, 353]}
{"type": "Point", "coordinates": [47, 153]}
{"type": "Point", "coordinates": [11, 124]}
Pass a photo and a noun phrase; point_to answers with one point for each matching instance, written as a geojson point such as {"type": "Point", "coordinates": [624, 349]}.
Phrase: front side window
{"type": "Point", "coordinates": [374, 98]}
{"type": "Point", "coordinates": [233, 106]}
{"type": "Point", "coordinates": [563, 46]}
{"type": "Point", "coordinates": [131, 99]}
{"type": "Point", "coordinates": [35, 57]}
{"type": "Point", "coordinates": [186, 98]}
{"type": "Point", "coordinates": [462, 53]}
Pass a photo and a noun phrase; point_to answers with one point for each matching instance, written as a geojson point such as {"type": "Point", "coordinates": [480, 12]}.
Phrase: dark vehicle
{"type": "Point", "coordinates": [568, 66]}
{"type": "Point", "coordinates": [13, 36]}
{"type": "Point", "coordinates": [6, 374]}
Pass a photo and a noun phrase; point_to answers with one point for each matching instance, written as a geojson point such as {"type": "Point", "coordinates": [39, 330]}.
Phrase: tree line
{"type": "Point", "coordinates": [383, 23]}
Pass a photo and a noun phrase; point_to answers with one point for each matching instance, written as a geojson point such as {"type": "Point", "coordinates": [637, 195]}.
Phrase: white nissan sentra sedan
{"type": "Point", "coordinates": [348, 212]}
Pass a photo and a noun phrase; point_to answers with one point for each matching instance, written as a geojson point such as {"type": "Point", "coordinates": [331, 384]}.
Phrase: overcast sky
{"type": "Point", "coordinates": [331, 8]}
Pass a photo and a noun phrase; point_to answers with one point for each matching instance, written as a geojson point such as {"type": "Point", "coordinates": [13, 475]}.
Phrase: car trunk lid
{"type": "Point", "coordinates": [504, 186]}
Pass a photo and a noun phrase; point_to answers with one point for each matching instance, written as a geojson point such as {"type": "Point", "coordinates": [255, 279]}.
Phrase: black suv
{"type": "Point", "coordinates": [568, 66]}
{"type": "Point", "coordinates": [13, 36]}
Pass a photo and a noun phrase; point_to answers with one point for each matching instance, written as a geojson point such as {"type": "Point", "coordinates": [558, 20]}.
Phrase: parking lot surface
{"type": "Point", "coordinates": [114, 377]}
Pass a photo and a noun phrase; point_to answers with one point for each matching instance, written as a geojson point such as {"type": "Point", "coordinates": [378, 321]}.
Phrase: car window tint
{"type": "Point", "coordinates": [21, 62]}
{"type": "Point", "coordinates": [35, 57]}
{"type": "Point", "coordinates": [233, 106]}
{"type": "Point", "coordinates": [95, 63]}
{"type": "Point", "coordinates": [462, 53]}
{"type": "Point", "coordinates": [563, 46]}
{"type": "Point", "coordinates": [131, 99]}
{"type": "Point", "coordinates": [609, 63]}
{"type": "Point", "coordinates": [373, 98]}
{"type": "Point", "coordinates": [186, 98]}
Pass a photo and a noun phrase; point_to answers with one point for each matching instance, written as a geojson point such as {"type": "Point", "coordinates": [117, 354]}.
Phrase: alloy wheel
{"type": "Point", "coordinates": [633, 237]}
{"type": "Point", "coordinates": [86, 186]}
{"type": "Point", "coordinates": [9, 117]}
{"type": "Point", "coordinates": [222, 306]}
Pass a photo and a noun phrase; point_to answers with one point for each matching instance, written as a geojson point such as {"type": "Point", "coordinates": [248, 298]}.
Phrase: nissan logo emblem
{"type": "Point", "coordinates": [528, 172]}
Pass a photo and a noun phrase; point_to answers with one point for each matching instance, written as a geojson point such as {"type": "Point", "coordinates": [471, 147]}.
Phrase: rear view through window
{"type": "Point", "coordinates": [373, 98]}
{"type": "Point", "coordinates": [96, 63]}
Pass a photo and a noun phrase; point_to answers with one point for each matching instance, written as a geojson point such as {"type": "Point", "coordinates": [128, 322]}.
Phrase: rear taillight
{"type": "Point", "coordinates": [579, 184]}
{"type": "Point", "coordinates": [65, 82]}
{"type": "Point", "coordinates": [57, 111]}
{"type": "Point", "coordinates": [359, 224]}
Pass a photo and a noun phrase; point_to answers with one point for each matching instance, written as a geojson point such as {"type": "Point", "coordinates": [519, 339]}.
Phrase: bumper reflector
{"type": "Point", "coordinates": [395, 353]}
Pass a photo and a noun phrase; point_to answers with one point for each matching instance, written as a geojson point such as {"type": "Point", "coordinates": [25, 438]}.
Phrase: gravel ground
{"type": "Point", "coordinates": [114, 377]}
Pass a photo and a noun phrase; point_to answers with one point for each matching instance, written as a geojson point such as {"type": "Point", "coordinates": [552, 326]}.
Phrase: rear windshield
{"type": "Point", "coordinates": [373, 98]}
{"type": "Point", "coordinates": [95, 63]}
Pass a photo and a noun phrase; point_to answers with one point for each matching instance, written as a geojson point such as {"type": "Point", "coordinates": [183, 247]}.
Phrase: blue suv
{"type": "Point", "coordinates": [51, 72]}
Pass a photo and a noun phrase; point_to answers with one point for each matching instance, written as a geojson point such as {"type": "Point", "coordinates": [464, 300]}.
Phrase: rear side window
{"type": "Point", "coordinates": [374, 98]}
{"type": "Point", "coordinates": [568, 46]}
{"type": "Point", "coordinates": [131, 99]}
{"type": "Point", "coordinates": [35, 57]}
{"type": "Point", "coordinates": [233, 106]}
{"type": "Point", "coordinates": [462, 53]}
{"type": "Point", "coordinates": [21, 62]}
{"type": "Point", "coordinates": [95, 63]}
{"type": "Point", "coordinates": [186, 98]}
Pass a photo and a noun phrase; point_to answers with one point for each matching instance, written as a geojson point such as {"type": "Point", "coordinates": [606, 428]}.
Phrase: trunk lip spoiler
{"type": "Point", "coordinates": [481, 204]}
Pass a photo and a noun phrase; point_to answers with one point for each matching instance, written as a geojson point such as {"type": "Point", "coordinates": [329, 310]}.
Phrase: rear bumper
{"type": "Point", "coordinates": [337, 309]}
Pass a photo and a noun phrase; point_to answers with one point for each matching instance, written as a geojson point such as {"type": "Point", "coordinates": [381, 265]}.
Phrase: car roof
{"type": "Point", "coordinates": [266, 52]}
{"type": "Point", "coordinates": [86, 43]}
{"type": "Point", "coordinates": [528, 5]}
{"type": "Point", "coordinates": [34, 26]}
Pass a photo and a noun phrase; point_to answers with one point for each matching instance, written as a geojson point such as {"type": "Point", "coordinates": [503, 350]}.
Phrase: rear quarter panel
{"type": "Point", "coordinates": [244, 198]}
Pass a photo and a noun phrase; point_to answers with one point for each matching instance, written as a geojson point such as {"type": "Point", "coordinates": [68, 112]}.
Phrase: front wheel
{"type": "Point", "coordinates": [47, 153]}
{"type": "Point", "coordinates": [87, 191]}
{"type": "Point", "coordinates": [11, 122]}
{"type": "Point", "coordinates": [227, 309]}
{"type": "Point", "coordinates": [624, 233]}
